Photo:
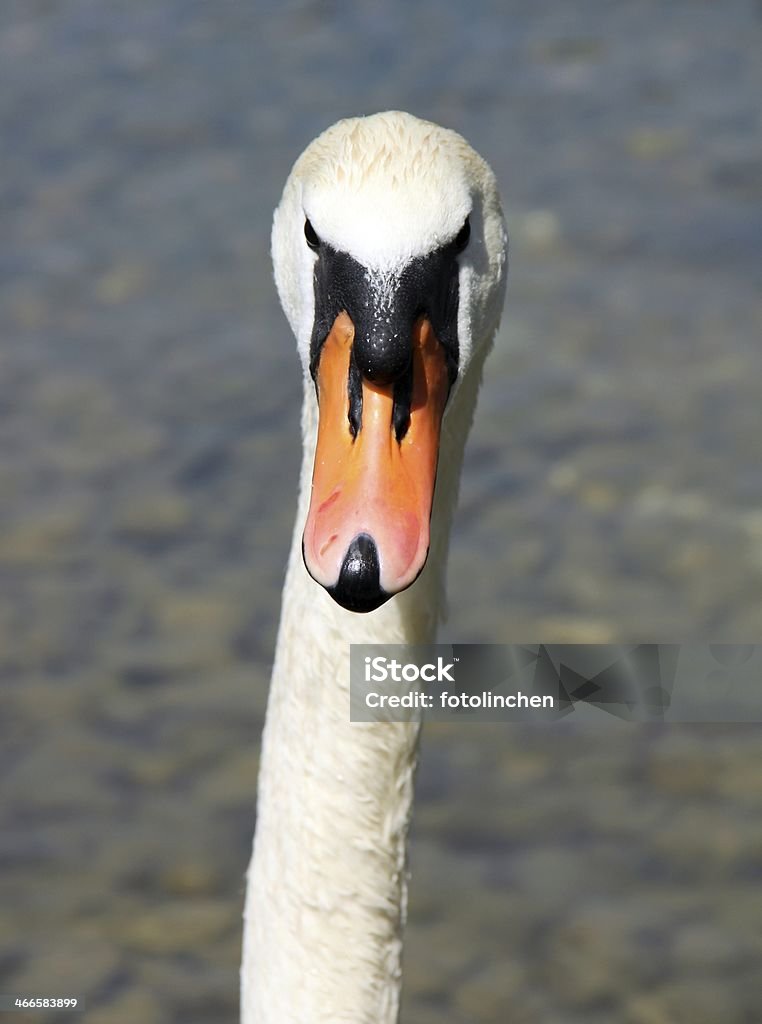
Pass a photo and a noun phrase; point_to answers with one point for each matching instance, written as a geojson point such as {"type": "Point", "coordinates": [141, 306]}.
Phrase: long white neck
{"type": "Point", "coordinates": [326, 894]}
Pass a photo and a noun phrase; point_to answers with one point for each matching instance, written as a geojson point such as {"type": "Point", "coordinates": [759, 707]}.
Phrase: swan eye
{"type": "Point", "coordinates": [309, 233]}
{"type": "Point", "coordinates": [462, 237]}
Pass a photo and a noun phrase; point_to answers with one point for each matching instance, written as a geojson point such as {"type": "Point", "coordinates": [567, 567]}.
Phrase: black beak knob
{"type": "Point", "coordinates": [358, 588]}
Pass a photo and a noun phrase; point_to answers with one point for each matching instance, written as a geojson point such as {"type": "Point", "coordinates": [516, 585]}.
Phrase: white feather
{"type": "Point", "coordinates": [326, 893]}
{"type": "Point", "coordinates": [386, 189]}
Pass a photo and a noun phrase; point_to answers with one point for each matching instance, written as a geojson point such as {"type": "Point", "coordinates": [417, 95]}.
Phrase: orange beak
{"type": "Point", "coordinates": [367, 531]}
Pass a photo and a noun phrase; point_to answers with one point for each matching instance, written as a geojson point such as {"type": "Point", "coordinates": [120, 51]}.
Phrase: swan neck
{"type": "Point", "coordinates": [326, 895]}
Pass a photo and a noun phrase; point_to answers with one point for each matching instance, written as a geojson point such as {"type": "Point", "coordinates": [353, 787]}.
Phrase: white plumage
{"type": "Point", "coordinates": [326, 894]}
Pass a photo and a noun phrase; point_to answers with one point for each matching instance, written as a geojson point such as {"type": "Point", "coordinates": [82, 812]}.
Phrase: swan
{"type": "Point", "coordinates": [390, 258]}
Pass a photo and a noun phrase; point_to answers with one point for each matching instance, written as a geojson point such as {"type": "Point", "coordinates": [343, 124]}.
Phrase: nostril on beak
{"type": "Point", "coordinates": [354, 397]}
{"type": "Point", "coordinates": [403, 398]}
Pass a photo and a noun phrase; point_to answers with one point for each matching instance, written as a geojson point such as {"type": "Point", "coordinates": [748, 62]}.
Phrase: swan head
{"type": "Point", "coordinates": [389, 250]}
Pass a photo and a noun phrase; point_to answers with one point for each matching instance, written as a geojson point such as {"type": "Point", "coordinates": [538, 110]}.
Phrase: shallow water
{"type": "Point", "coordinates": [149, 396]}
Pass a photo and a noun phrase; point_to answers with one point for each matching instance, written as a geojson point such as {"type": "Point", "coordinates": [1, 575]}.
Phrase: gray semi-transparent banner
{"type": "Point", "coordinates": [549, 682]}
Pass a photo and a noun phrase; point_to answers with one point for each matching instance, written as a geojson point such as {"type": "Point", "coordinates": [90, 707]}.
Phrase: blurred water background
{"type": "Point", "coordinates": [149, 399]}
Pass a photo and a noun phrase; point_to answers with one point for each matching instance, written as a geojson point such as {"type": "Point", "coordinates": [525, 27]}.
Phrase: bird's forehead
{"type": "Point", "coordinates": [384, 228]}
{"type": "Point", "coordinates": [385, 197]}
